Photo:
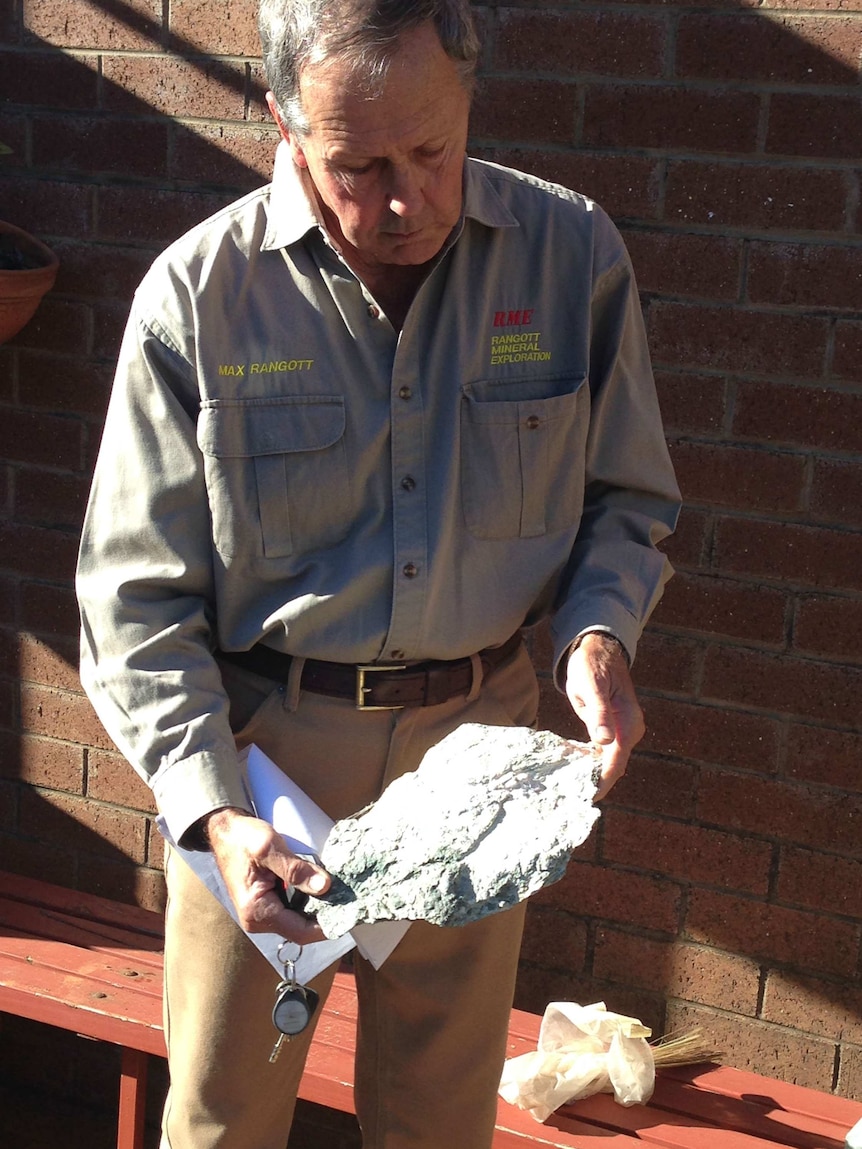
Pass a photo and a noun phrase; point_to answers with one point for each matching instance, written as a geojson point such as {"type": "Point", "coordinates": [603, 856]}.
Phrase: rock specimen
{"type": "Point", "coordinates": [491, 815]}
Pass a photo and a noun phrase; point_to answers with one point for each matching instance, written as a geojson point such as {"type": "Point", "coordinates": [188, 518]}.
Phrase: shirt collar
{"type": "Point", "coordinates": [292, 212]}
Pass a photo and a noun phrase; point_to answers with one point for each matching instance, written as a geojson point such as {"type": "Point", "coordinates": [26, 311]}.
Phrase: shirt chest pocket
{"type": "Point", "coordinates": [522, 460]}
{"type": "Point", "coordinates": [276, 473]}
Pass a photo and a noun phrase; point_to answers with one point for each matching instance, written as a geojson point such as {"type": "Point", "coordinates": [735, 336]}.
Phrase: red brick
{"type": "Point", "coordinates": [174, 87]}
{"type": "Point", "coordinates": [737, 339]}
{"type": "Point", "coordinates": [616, 896]}
{"type": "Point", "coordinates": [693, 973]}
{"type": "Point", "coordinates": [819, 1007]}
{"type": "Point", "coordinates": [578, 43]}
{"type": "Point", "coordinates": [537, 986]}
{"type": "Point", "coordinates": [756, 195]}
{"type": "Point", "coordinates": [785, 49]}
{"type": "Point", "coordinates": [655, 785]}
{"type": "Point", "coordinates": [8, 601]}
{"type": "Point", "coordinates": [74, 143]}
{"type": "Point", "coordinates": [556, 714]}
{"type": "Point", "coordinates": [625, 186]}
{"type": "Point", "coordinates": [722, 606]}
{"type": "Point", "coordinates": [257, 111]}
{"type": "Point", "coordinates": [815, 754]}
{"type": "Point", "coordinates": [152, 215]}
{"type": "Point", "coordinates": [118, 25]}
{"type": "Point", "coordinates": [109, 324]}
{"type": "Point", "coordinates": [51, 610]}
{"type": "Point", "coordinates": [755, 929]}
{"type": "Point", "coordinates": [800, 416]}
{"type": "Point", "coordinates": [38, 552]}
{"type": "Point", "coordinates": [812, 556]}
{"type": "Point", "coordinates": [711, 735]}
{"type": "Point", "coordinates": [850, 1072]}
{"type": "Point", "coordinates": [800, 687]}
{"type": "Point", "coordinates": [687, 544]}
{"type": "Point", "coordinates": [666, 663]}
{"type": "Point", "coordinates": [690, 853]}
{"type": "Point", "coordinates": [691, 404]}
{"type": "Point", "coordinates": [50, 499]}
{"type": "Point", "coordinates": [8, 705]}
{"type": "Point", "coordinates": [156, 847]}
{"type": "Point", "coordinates": [831, 627]}
{"type": "Point", "coordinates": [122, 882]}
{"type": "Point", "coordinates": [58, 714]}
{"type": "Point", "coordinates": [44, 859]}
{"type": "Point", "coordinates": [805, 275]}
{"type": "Point", "coordinates": [802, 124]}
{"type": "Point", "coordinates": [848, 351]}
{"type": "Point", "coordinates": [740, 477]}
{"type": "Point", "coordinates": [534, 111]}
{"type": "Point", "coordinates": [53, 663]}
{"type": "Point", "coordinates": [225, 26]}
{"type": "Point", "coordinates": [15, 129]}
{"type": "Point", "coordinates": [696, 266]}
{"type": "Point", "coordinates": [10, 28]}
{"type": "Point", "coordinates": [223, 156]}
{"type": "Point", "coordinates": [110, 778]}
{"type": "Point", "coordinates": [43, 762]}
{"type": "Point", "coordinates": [48, 80]}
{"type": "Point", "coordinates": [48, 210]}
{"type": "Point", "coordinates": [821, 882]}
{"type": "Point", "coordinates": [101, 270]}
{"type": "Point", "coordinates": [83, 824]}
{"type": "Point", "coordinates": [59, 325]}
{"type": "Point", "coordinates": [8, 810]}
{"type": "Point", "coordinates": [554, 940]}
{"type": "Point", "coordinates": [771, 1050]}
{"type": "Point", "coordinates": [836, 493]}
{"type": "Point", "coordinates": [670, 118]}
{"type": "Point", "coordinates": [38, 438]}
{"type": "Point", "coordinates": [786, 812]}
{"type": "Point", "coordinates": [59, 384]}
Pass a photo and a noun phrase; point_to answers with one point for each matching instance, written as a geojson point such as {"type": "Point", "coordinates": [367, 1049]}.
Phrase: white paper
{"type": "Point", "coordinates": [305, 828]}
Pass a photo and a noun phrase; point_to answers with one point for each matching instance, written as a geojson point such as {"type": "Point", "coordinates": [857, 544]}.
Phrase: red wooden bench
{"type": "Point", "coordinates": [94, 966]}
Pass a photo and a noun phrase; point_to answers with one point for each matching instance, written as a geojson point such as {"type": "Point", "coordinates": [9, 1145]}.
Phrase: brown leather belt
{"type": "Point", "coordinates": [373, 686]}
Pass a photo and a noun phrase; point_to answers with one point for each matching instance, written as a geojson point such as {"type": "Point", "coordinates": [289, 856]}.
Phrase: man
{"type": "Point", "coordinates": [381, 414]}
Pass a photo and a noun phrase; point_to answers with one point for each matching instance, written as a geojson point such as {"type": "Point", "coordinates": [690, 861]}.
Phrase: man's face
{"type": "Point", "coordinates": [387, 167]}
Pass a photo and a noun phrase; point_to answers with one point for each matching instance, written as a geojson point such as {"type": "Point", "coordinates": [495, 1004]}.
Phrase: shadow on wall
{"type": "Point", "coordinates": [104, 169]}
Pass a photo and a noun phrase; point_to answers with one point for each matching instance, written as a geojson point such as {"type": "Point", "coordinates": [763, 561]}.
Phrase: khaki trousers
{"type": "Point", "coordinates": [433, 1020]}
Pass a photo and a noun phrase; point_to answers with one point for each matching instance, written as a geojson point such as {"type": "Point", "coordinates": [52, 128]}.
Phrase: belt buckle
{"type": "Point", "coordinates": [362, 689]}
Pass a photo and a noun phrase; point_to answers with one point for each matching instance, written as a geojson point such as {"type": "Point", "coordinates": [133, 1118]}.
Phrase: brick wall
{"type": "Point", "coordinates": [724, 884]}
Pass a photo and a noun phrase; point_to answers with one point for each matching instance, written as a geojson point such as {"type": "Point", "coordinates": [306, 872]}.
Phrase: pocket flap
{"type": "Point", "coordinates": [245, 428]}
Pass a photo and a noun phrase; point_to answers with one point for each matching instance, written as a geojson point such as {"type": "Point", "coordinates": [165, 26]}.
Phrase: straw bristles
{"type": "Point", "coordinates": [684, 1048]}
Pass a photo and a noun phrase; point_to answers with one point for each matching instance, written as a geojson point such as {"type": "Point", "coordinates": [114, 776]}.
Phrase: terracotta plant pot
{"type": "Point", "coordinates": [27, 270]}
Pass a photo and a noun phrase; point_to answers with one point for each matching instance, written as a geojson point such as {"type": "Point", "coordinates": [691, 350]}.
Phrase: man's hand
{"type": "Point", "coordinates": [600, 689]}
{"type": "Point", "coordinates": [252, 858]}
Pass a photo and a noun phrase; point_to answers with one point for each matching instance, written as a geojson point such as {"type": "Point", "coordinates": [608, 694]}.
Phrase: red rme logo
{"type": "Point", "coordinates": [513, 318]}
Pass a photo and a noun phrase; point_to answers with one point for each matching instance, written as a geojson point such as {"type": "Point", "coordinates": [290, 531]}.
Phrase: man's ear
{"type": "Point", "coordinates": [286, 134]}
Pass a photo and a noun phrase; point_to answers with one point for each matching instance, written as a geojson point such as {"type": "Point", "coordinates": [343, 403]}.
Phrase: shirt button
{"type": "Point", "coordinates": [405, 393]}
{"type": "Point", "coordinates": [532, 422]}
{"type": "Point", "coordinates": [408, 483]}
{"type": "Point", "coordinates": [410, 570]}
{"type": "Point", "coordinates": [373, 311]}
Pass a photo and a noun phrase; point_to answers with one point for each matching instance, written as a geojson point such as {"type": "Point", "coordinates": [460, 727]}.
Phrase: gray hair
{"type": "Point", "coordinates": [296, 33]}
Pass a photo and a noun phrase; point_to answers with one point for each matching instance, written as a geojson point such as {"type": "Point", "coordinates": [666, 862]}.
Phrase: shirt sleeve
{"type": "Point", "coordinates": [615, 574]}
{"type": "Point", "coordinates": [145, 588]}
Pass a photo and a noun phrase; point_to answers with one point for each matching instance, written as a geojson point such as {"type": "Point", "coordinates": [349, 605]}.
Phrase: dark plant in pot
{"type": "Point", "coordinates": [28, 269]}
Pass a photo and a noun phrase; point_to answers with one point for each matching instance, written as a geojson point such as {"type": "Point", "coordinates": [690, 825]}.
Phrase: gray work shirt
{"type": "Point", "coordinates": [280, 464]}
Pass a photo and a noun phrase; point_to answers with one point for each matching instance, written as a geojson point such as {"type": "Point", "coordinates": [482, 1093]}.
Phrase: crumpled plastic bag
{"type": "Point", "coordinates": [583, 1049]}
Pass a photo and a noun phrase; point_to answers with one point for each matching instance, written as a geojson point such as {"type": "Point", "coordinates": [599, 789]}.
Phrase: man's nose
{"type": "Point", "coordinates": [405, 193]}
